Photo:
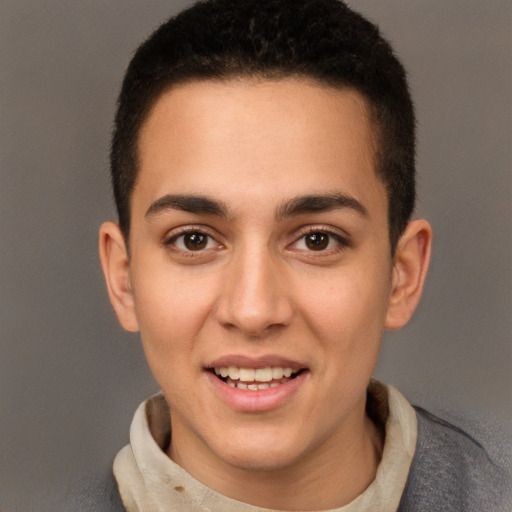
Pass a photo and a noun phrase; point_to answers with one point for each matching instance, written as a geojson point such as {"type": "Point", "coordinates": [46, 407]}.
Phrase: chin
{"type": "Point", "coordinates": [263, 453]}
{"type": "Point", "coordinates": [260, 462]}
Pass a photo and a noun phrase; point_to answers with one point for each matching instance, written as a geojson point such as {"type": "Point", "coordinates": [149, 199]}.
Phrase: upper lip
{"type": "Point", "coordinates": [242, 361]}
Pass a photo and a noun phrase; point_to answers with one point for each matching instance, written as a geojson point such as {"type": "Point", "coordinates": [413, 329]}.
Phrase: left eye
{"type": "Point", "coordinates": [193, 241]}
{"type": "Point", "coordinates": [317, 241]}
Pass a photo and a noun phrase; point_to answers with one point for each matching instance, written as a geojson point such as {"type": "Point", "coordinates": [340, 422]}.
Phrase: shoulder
{"type": "Point", "coordinates": [451, 471]}
{"type": "Point", "coordinates": [113, 498]}
{"type": "Point", "coordinates": [104, 497]}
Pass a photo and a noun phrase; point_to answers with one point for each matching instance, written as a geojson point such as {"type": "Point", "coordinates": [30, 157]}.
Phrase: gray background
{"type": "Point", "coordinates": [70, 379]}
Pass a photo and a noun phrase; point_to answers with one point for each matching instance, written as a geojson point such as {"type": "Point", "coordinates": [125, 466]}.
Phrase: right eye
{"type": "Point", "coordinates": [192, 241]}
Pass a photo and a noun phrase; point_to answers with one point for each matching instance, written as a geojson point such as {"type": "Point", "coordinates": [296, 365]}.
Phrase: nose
{"type": "Point", "coordinates": [255, 298]}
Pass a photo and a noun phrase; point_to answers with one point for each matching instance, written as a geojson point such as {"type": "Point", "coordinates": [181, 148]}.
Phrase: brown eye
{"type": "Point", "coordinates": [317, 241]}
{"type": "Point", "coordinates": [195, 241]}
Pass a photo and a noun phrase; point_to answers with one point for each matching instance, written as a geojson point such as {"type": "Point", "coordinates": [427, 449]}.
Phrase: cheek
{"type": "Point", "coordinates": [171, 308]}
{"type": "Point", "coordinates": [348, 310]}
{"type": "Point", "coordinates": [168, 323]}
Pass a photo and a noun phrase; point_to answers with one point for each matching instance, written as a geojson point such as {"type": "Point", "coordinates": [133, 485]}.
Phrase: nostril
{"type": "Point", "coordinates": [253, 301]}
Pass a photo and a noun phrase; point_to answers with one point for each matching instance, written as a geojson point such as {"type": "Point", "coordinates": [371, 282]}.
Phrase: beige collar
{"type": "Point", "coordinates": [150, 481]}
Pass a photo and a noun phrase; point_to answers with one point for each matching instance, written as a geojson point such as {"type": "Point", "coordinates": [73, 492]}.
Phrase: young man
{"type": "Point", "coordinates": [263, 170]}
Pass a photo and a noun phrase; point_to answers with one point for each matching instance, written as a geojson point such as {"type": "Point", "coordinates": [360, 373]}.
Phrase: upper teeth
{"type": "Point", "coordinates": [254, 375]}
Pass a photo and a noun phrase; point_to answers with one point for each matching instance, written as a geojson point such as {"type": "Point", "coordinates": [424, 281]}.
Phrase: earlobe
{"type": "Point", "coordinates": [116, 269]}
{"type": "Point", "coordinates": [410, 265]}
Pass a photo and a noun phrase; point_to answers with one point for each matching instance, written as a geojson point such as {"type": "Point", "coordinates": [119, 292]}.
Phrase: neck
{"type": "Point", "coordinates": [330, 476]}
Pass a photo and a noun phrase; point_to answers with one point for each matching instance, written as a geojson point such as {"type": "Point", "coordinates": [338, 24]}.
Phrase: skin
{"type": "Point", "coordinates": [258, 289]}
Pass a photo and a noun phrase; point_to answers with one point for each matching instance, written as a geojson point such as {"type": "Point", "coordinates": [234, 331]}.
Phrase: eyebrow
{"type": "Point", "coordinates": [297, 206]}
{"type": "Point", "coordinates": [320, 203]}
{"type": "Point", "coordinates": [187, 203]}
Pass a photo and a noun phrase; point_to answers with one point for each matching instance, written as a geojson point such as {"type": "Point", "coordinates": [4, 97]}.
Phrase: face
{"type": "Point", "coordinates": [260, 268]}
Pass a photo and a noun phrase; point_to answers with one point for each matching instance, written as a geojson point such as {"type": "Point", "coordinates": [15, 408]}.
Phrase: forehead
{"type": "Point", "coordinates": [258, 137]}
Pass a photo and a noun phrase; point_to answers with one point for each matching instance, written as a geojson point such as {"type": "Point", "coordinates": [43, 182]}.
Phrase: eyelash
{"type": "Point", "coordinates": [170, 242]}
{"type": "Point", "coordinates": [341, 241]}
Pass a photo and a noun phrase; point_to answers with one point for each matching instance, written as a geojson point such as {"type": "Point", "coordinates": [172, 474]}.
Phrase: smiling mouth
{"type": "Point", "coordinates": [255, 379]}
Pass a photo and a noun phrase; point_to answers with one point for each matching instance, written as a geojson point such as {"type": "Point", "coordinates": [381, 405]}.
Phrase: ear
{"type": "Point", "coordinates": [410, 265]}
{"type": "Point", "coordinates": [116, 268]}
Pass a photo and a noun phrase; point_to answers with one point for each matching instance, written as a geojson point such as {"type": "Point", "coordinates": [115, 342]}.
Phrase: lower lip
{"type": "Point", "coordinates": [259, 400]}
